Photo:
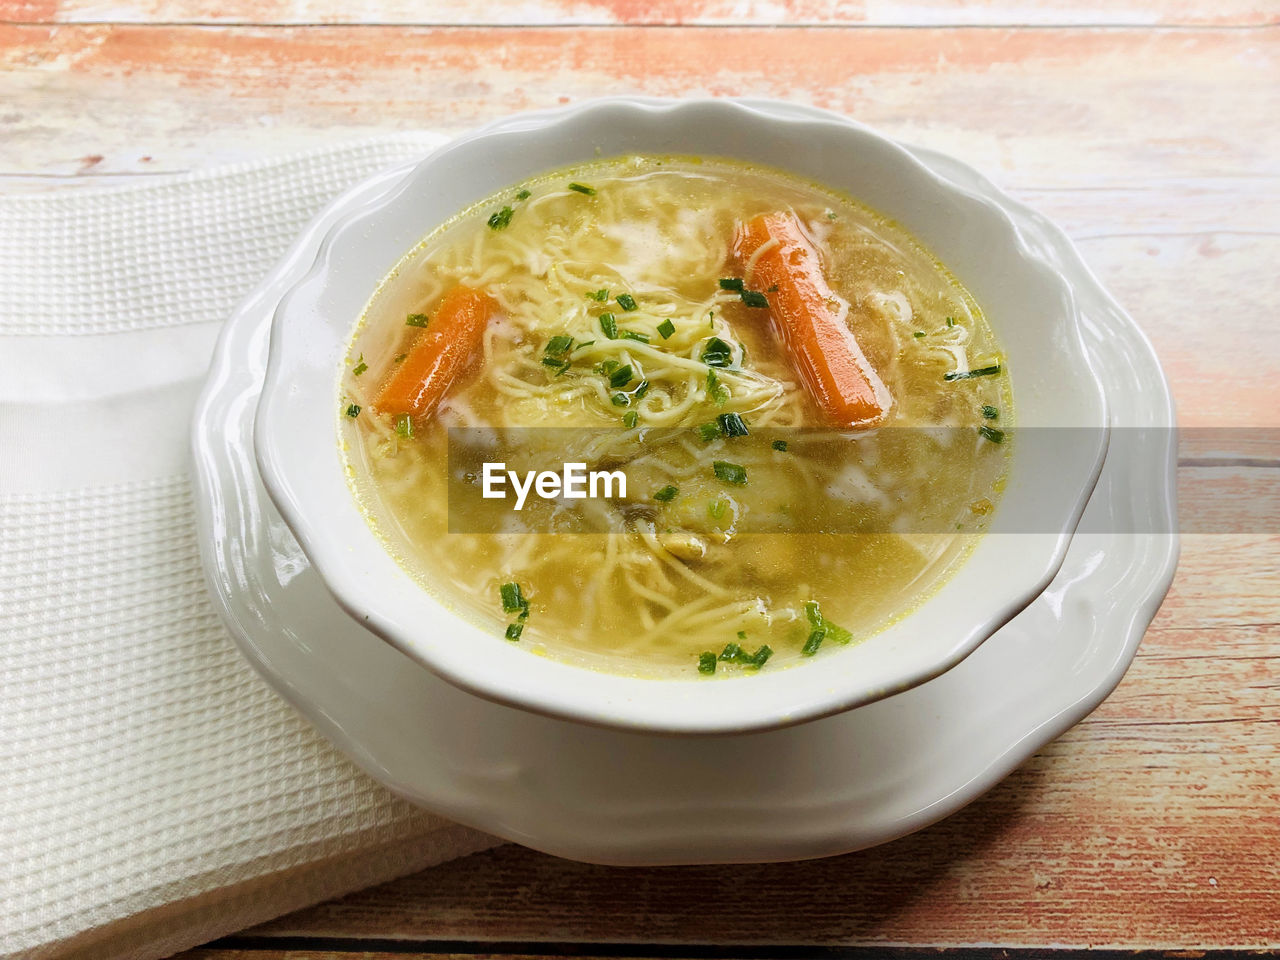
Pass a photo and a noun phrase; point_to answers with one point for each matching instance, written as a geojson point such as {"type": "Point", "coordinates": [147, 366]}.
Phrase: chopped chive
{"type": "Point", "coordinates": [606, 367]}
{"type": "Point", "coordinates": [556, 364]}
{"type": "Point", "coordinates": [583, 345]}
{"type": "Point", "coordinates": [666, 494]}
{"type": "Point", "coordinates": [582, 188]}
{"type": "Point", "coordinates": [404, 427]}
{"type": "Point", "coordinates": [558, 345]}
{"type": "Point", "coordinates": [666, 328]}
{"type": "Point", "coordinates": [501, 219]}
{"type": "Point", "coordinates": [715, 509]}
{"type": "Point", "coordinates": [816, 636]}
{"type": "Point", "coordinates": [727, 472]}
{"type": "Point", "coordinates": [709, 431]}
{"type": "Point", "coordinates": [780, 446]}
{"type": "Point", "coordinates": [620, 377]}
{"type": "Point", "coordinates": [514, 630]}
{"type": "Point", "coordinates": [399, 358]}
{"type": "Point", "coordinates": [634, 335]}
{"type": "Point", "coordinates": [989, 412]}
{"type": "Point", "coordinates": [360, 367]}
{"type": "Point", "coordinates": [731, 425]}
{"type": "Point", "coordinates": [639, 392]}
{"type": "Point", "coordinates": [951, 321]}
{"type": "Point", "coordinates": [813, 613]}
{"type": "Point", "coordinates": [761, 656]}
{"type": "Point", "coordinates": [416, 320]}
{"type": "Point", "coordinates": [609, 325]}
{"type": "Point", "coordinates": [512, 598]}
{"type": "Point", "coordinates": [717, 392]}
{"type": "Point", "coordinates": [620, 400]}
{"type": "Point", "coordinates": [353, 411]}
{"type": "Point", "coordinates": [629, 419]}
{"type": "Point", "coordinates": [732, 653]}
{"type": "Point", "coordinates": [742, 634]}
{"type": "Point", "coordinates": [918, 334]}
{"type": "Point", "coordinates": [970, 374]}
{"type": "Point", "coordinates": [626, 301]}
{"type": "Point", "coordinates": [991, 433]}
{"type": "Point", "coordinates": [523, 195]}
{"type": "Point", "coordinates": [831, 214]}
{"type": "Point", "coordinates": [601, 295]}
{"type": "Point", "coordinates": [754, 298]}
{"type": "Point", "coordinates": [731, 283]}
{"type": "Point", "coordinates": [838, 634]}
{"type": "Point", "coordinates": [717, 353]}
{"type": "Point", "coordinates": [773, 288]}
{"type": "Point", "coordinates": [707, 662]}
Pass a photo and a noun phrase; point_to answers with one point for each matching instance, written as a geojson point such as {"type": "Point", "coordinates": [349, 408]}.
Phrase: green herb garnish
{"type": "Point", "coordinates": [620, 377]}
{"type": "Point", "coordinates": [620, 400]}
{"type": "Point", "coordinates": [582, 188]}
{"type": "Point", "coordinates": [780, 446]}
{"type": "Point", "coordinates": [754, 298]}
{"type": "Point", "coordinates": [717, 353]}
{"type": "Point", "coordinates": [709, 431]}
{"type": "Point", "coordinates": [666, 494]}
{"type": "Point", "coordinates": [666, 328]}
{"type": "Point", "coordinates": [626, 301]}
{"type": "Point", "coordinates": [404, 427]}
{"type": "Point", "coordinates": [816, 636]}
{"type": "Point", "coordinates": [514, 630]}
{"type": "Point", "coordinates": [353, 411]}
{"type": "Point", "coordinates": [634, 335]}
{"type": "Point", "coordinates": [523, 195]}
{"type": "Point", "coordinates": [559, 345]}
{"type": "Point", "coordinates": [360, 366]}
{"type": "Point", "coordinates": [821, 624]}
{"type": "Point", "coordinates": [717, 392]}
{"type": "Point", "coordinates": [951, 322]}
{"type": "Point", "coordinates": [601, 295]}
{"type": "Point", "coordinates": [606, 367]}
{"type": "Point", "coordinates": [557, 364]}
{"type": "Point", "coordinates": [715, 509]}
{"type": "Point", "coordinates": [513, 599]}
{"type": "Point", "coordinates": [639, 392]}
{"type": "Point", "coordinates": [990, 371]}
{"type": "Point", "coordinates": [707, 662]}
{"type": "Point", "coordinates": [761, 656]}
{"type": "Point", "coordinates": [991, 433]}
{"type": "Point", "coordinates": [629, 419]}
{"type": "Point", "coordinates": [399, 358]}
{"type": "Point", "coordinates": [416, 320]}
{"type": "Point", "coordinates": [918, 334]}
{"type": "Point", "coordinates": [609, 325]}
{"type": "Point", "coordinates": [731, 283]}
{"type": "Point", "coordinates": [501, 219]}
{"type": "Point", "coordinates": [727, 472]}
{"type": "Point", "coordinates": [731, 425]}
{"type": "Point", "coordinates": [989, 412]}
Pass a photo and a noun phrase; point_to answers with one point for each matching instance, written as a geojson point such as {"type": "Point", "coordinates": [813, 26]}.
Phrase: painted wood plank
{"type": "Point", "coordinates": [603, 12]}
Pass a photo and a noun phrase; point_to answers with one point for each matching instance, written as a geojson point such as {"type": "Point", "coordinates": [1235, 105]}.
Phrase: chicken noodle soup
{"type": "Point", "coordinates": [755, 350]}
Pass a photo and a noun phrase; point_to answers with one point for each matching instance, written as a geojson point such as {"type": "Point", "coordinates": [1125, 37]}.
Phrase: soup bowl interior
{"type": "Point", "coordinates": [1027, 302]}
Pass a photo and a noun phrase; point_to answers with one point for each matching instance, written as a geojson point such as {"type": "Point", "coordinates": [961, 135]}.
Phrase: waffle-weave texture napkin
{"type": "Point", "coordinates": [154, 792]}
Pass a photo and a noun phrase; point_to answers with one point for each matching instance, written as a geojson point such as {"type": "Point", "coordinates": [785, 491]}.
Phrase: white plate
{"type": "Point", "coordinates": [826, 787]}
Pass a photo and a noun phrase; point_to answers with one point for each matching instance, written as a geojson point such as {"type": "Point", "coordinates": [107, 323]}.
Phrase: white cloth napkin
{"type": "Point", "coordinates": [154, 792]}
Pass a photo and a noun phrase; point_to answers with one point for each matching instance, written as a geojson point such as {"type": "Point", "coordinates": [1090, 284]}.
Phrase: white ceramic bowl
{"type": "Point", "coordinates": [1027, 301]}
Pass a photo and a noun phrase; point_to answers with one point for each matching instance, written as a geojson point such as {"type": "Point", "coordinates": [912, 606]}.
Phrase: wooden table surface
{"type": "Point", "coordinates": [1149, 131]}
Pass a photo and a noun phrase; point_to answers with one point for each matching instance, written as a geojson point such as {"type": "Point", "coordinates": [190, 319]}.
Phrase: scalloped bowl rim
{"type": "Point", "coordinates": [297, 447]}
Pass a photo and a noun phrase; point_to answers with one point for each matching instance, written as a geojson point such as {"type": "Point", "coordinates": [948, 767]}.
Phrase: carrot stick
{"type": "Point", "coordinates": [441, 352]}
{"type": "Point", "coordinates": [809, 318]}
